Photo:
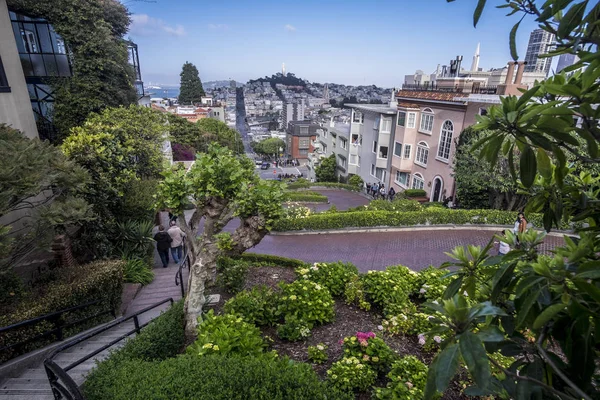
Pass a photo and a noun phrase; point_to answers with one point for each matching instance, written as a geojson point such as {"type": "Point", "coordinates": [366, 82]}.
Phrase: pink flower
{"type": "Point", "coordinates": [341, 341]}
{"type": "Point", "coordinates": [363, 343]}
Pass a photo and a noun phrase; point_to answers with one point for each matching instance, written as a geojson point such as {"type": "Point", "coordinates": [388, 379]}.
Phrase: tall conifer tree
{"type": "Point", "coordinates": [191, 90]}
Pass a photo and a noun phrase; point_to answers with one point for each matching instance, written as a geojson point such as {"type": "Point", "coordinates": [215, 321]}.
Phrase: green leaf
{"type": "Point", "coordinates": [526, 96]}
{"type": "Point", "coordinates": [528, 167]}
{"type": "Point", "coordinates": [523, 310]}
{"type": "Point", "coordinates": [593, 274]}
{"type": "Point", "coordinates": [478, 11]}
{"type": "Point", "coordinates": [513, 41]}
{"type": "Point", "coordinates": [475, 356]}
{"type": "Point", "coordinates": [452, 288]}
{"type": "Point", "coordinates": [490, 334]}
{"type": "Point", "coordinates": [544, 165]}
{"type": "Point", "coordinates": [446, 366]}
{"type": "Point", "coordinates": [562, 110]}
{"type": "Point", "coordinates": [547, 315]}
{"type": "Point", "coordinates": [571, 19]}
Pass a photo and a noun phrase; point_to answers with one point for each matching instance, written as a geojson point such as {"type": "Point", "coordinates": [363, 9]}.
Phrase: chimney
{"type": "Point", "coordinates": [520, 70]}
{"type": "Point", "coordinates": [509, 73]}
{"type": "Point", "coordinates": [393, 101]}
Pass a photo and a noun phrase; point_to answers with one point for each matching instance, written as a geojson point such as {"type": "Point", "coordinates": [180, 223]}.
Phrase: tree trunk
{"type": "Point", "coordinates": [195, 299]}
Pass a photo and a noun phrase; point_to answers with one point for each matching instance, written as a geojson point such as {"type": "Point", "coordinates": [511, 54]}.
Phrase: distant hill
{"type": "Point", "coordinates": [218, 84]}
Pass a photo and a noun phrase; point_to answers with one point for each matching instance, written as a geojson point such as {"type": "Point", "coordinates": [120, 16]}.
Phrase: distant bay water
{"type": "Point", "coordinates": [163, 92]}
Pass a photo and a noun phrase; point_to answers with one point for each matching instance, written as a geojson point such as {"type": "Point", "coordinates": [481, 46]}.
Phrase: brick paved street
{"type": "Point", "coordinates": [377, 250]}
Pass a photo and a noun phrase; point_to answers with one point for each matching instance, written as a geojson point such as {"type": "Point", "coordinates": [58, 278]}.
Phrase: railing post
{"type": "Point", "coordinates": [180, 272]}
{"type": "Point", "coordinates": [136, 322]}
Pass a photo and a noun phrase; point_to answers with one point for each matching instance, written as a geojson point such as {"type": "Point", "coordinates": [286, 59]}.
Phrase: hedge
{"type": "Point", "coordinates": [430, 216]}
{"type": "Point", "coordinates": [99, 280]}
{"type": "Point", "coordinates": [333, 185]}
{"type": "Point", "coordinates": [415, 193]}
{"type": "Point", "coordinates": [212, 377]}
{"type": "Point", "coordinates": [269, 259]}
{"type": "Point", "coordinates": [311, 197]}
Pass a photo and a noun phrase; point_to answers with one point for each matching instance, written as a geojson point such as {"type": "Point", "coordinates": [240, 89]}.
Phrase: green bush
{"type": "Point", "coordinates": [257, 306]}
{"type": "Point", "coordinates": [415, 193]}
{"type": "Point", "coordinates": [304, 184]}
{"type": "Point", "coordinates": [227, 335]}
{"type": "Point", "coordinates": [232, 273]}
{"type": "Point", "coordinates": [334, 276]}
{"type": "Point", "coordinates": [138, 200]}
{"type": "Point", "coordinates": [305, 196]}
{"type": "Point", "coordinates": [390, 289]}
{"type": "Point", "coordinates": [407, 380]}
{"type": "Point", "coordinates": [351, 374]}
{"type": "Point", "coordinates": [433, 204]}
{"type": "Point", "coordinates": [430, 284]}
{"type": "Point", "coordinates": [307, 301]}
{"type": "Point", "coordinates": [317, 354]}
{"type": "Point", "coordinates": [294, 329]}
{"type": "Point", "coordinates": [370, 350]}
{"type": "Point", "coordinates": [164, 337]}
{"type": "Point", "coordinates": [137, 271]}
{"type": "Point", "coordinates": [396, 205]}
{"type": "Point", "coordinates": [212, 377]}
{"type": "Point", "coordinates": [356, 181]}
{"type": "Point", "coordinates": [272, 260]}
{"type": "Point", "coordinates": [134, 239]}
{"type": "Point", "coordinates": [409, 323]}
{"type": "Point", "coordinates": [355, 293]}
{"type": "Point", "coordinates": [100, 280]}
{"type": "Point", "coordinates": [430, 216]}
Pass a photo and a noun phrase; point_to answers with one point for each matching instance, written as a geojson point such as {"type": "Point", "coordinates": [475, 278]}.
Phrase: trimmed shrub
{"type": "Point", "coordinates": [357, 181]}
{"type": "Point", "coordinates": [137, 271]}
{"type": "Point", "coordinates": [99, 280]}
{"type": "Point", "coordinates": [272, 260]}
{"type": "Point", "coordinates": [370, 350]}
{"type": "Point", "coordinates": [415, 193]}
{"type": "Point", "coordinates": [334, 276]}
{"type": "Point", "coordinates": [396, 205]}
{"type": "Point", "coordinates": [407, 380]}
{"type": "Point", "coordinates": [390, 289]}
{"type": "Point", "coordinates": [257, 306]}
{"type": "Point", "coordinates": [227, 335]}
{"type": "Point", "coordinates": [305, 196]}
{"type": "Point", "coordinates": [351, 374]}
{"type": "Point", "coordinates": [307, 301]}
{"type": "Point", "coordinates": [303, 184]}
{"type": "Point", "coordinates": [212, 377]}
{"type": "Point", "coordinates": [430, 216]}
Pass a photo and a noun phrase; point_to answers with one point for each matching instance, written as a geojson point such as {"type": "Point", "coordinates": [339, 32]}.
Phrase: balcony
{"type": "Point", "coordinates": [381, 162]}
{"type": "Point", "coordinates": [468, 88]}
{"type": "Point", "coordinates": [353, 169]}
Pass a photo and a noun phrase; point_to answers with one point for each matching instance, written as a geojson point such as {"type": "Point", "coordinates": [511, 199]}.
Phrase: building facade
{"type": "Point", "coordinates": [540, 43]}
{"type": "Point", "coordinates": [15, 106]}
{"type": "Point", "coordinates": [299, 139]}
{"type": "Point", "coordinates": [566, 60]}
{"type": "Point", "coordinates": [292, 112]}
{"type": "Point", "coordinates": [332, 138]}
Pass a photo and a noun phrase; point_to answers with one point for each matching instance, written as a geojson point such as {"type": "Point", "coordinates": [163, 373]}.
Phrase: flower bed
{"type": "Point", "coordinates": [428, 216]}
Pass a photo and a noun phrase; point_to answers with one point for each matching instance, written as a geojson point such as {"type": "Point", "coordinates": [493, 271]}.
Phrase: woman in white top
{"type": "Point", "coordinates": [503, 248]}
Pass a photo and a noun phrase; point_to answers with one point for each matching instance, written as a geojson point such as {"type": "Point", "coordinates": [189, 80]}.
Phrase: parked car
{"type": "Point", "coordinates": [258, 162]}
{"type": "Point", "coordinates": [265, 165]}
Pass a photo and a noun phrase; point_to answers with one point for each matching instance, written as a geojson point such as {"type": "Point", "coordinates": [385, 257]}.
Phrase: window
{"type": "Point", "coordinates": [407, 151]}
{"type": "Point", "coordinates": [411, 120]}
{"type": "Point", "coordinates": [324, 133]}
{"type": "Point", "coordinates": [3, 81]}
{"type": "Point", "coordinates": [324, 148]}
{"type": "Point", "coordinates": [426, 121]}
{"type": "Point", "coordinates": [383, 152]}
{"type": "Point", "coordinates": [303, 152]}
{"type": "Point", "coordinates": [343, 143]}
{"type": "Point", "coordinates": [422, 154]}
{"type": "Point", "coordinates": [353, 158]}
{"type": "Point", "coordinates": [372, 169]}
{"type": "Point", "coordinates": [401, 118]}
{"type": "Point", "coordinates": [380, 173]}
{"type": "Point", "coordinates": [375, 146]}
{"type": "Point", "coordinates": [357, 117]}
{"type": "Point", "coordinates": [358, 161]}
{"type": "Point", "coordinates": [29, 41]}
{"type": "Point", "coordinates": [398, 149]}
{"type": "Point", "coordinates": [303, 143]}
{"type": "Point", "coordinates": [418, 181]}
{"type": "Point", "coordinates": [376, 122]}
{"type": "Point", "coordinates": [402, 178]}
{"type": "Point", "coordinates": [386, 125]}
{"type": "Point", "coordinates": [356, 139]}
{"type": "Point", "coordinates": [483, 111]}
{"type": "Point", "coordinates": [342, 161]}
{"type": "Point", "coordinates": [304, 130]}
{"type": "Point", "coordinates": [445, 140]}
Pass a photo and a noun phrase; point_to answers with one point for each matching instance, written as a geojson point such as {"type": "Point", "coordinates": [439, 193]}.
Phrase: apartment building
{"type": "Point", "coordinates": [332, 138]}
{"type": "Point", "coordinates": [300, 136]}
{"type": "Point", "coordinates": [372, 130]}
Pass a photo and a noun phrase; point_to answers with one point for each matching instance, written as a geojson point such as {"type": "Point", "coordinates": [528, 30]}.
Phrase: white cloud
{"type": "Point", "coordinates": [223, 27]}
{"type": "Point", "coordinates": [290, 28]}
{"type": "Point", "coordinates": [144, 25]}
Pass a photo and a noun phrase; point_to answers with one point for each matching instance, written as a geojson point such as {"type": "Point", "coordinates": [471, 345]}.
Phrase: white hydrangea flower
{"type": "Point", "coordinates": [437, 339]}
{"type": "Point", "coordinates": [422, 339]}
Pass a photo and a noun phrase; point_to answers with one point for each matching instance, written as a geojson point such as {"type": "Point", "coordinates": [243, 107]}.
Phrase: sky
{"type": "Point", "coordinates": [353, 42]}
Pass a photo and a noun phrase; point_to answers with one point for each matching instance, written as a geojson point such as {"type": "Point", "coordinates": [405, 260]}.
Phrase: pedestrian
{"type": "Point", "coordinates": [391, 194]}
{"type": "Point", "coordinates": [177, 236]}
{"type": "Point", "coordinates": [382, 191]}
{"type": "Point", "coordinates": [375, 189]}
{"type": "Point", "coordinates": [172, 217]}
{"type": "Point", "coordinates": [503, 247]}
{"type": "Point", "coordinates": [522, 223]}
{"type": "Point", "coordinates": [163, 244]}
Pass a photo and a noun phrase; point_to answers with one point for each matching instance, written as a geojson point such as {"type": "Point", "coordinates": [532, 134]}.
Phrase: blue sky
{"type": "Point", "coordinates": [351, 42]}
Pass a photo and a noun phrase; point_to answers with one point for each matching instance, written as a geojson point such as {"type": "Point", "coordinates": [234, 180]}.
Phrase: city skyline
{"type": "Point", "coordinates": [336, 42]}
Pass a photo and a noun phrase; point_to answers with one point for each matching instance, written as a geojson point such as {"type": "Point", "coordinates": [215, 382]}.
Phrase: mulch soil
{"type": "Point", "coordinates": [349, 319]}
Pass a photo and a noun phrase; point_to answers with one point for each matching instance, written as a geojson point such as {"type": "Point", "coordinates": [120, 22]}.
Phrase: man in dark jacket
{"type": "Point", "coordinates": [163, 244]}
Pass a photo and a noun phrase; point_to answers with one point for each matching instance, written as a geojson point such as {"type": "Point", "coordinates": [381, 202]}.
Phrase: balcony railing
{"type": "Point", "coordinates": [433, 87]}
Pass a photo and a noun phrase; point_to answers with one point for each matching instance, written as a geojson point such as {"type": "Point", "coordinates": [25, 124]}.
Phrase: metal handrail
{"type": "Point", "coordinates": [179, 275]}
{"type": "Point", "coordinates": [68, 389]}
{"type": "Point", "coordinates": [55, 318]}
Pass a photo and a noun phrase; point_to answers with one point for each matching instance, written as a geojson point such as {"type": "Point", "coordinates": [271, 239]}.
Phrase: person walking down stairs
{"type": "Point", "coordinates": [177, 244]}
{"type": "Point", "coordinates": [163, 244]}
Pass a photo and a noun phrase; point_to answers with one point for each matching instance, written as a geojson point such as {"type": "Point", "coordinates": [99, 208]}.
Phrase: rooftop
{"type": "Point", "coordinates": [376, 108]}
{"type": "Point", "coordinates": [429, 95]}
